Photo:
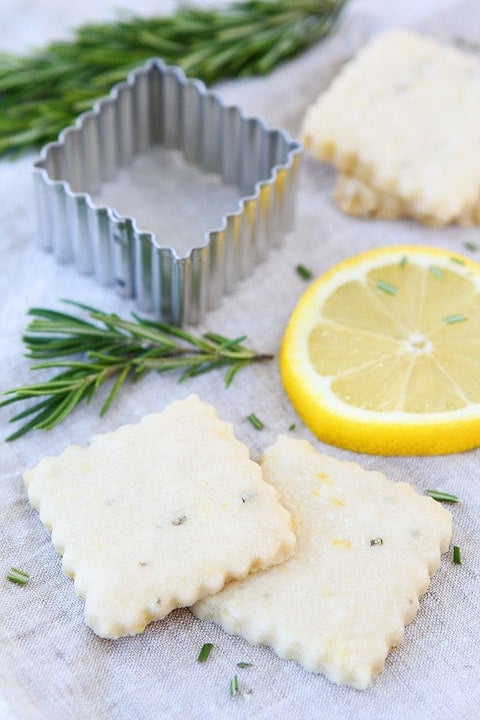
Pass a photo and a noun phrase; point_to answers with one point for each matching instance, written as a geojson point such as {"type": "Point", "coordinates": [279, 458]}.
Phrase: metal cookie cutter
{"type": "Point", "coordinates": [157, 105]}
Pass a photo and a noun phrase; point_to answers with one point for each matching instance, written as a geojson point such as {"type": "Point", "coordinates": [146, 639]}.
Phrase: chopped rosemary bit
{"type": "Point", "coordinates": [436, 271]}
{"type": "Point", "coordinates": [471, 246]}
{"type": "Point", "coordinates": [20, 577]}
{"type": "Point", "coordinates": [233, 687]}
{"type": "Point", "coordinates": [465, 44]}
{"type": "Point", "coordinates": [457, 555]}
{"type": "Point", "coordinates": [376, 541]}
{"type": "Point", "coordinates": [451, 319]}
{"type": "Point", "coordinates": [304, 272]}
{"type": "Point", "coordinates": [403, 261]}
{"type": "Point", "coordinates": [386, 287]}
{"type": "Point", "coordinates": [457, 260]}
{"type": "Point", "coordinates": [244, 664]}
{"type": "Point", "coordinates": [204, 652]}
{"type": "Point", "coordinates": [248, 496]}
{"type": "Point", "coordinates": [90, 351]}
{"type": "Point", "coordinates": [440, 496]}
{"type": "Point", "coordinates": [255, 421]}
{"type": "Point", "coordinates": [292, 427]}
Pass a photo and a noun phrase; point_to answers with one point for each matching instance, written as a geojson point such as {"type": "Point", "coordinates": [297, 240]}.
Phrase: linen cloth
{"type": "Point", "coordinates": [51, 665]}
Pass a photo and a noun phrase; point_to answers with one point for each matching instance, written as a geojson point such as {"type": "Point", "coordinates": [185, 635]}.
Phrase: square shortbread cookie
{"type": "Point", "coordinates": [366, 548]}
{"type": "Point", "coordinates": [156, 515]}
{"type": "Point", "coordinates": [402, 116]}
{"type": "Point", "coordinates": [357, 197]}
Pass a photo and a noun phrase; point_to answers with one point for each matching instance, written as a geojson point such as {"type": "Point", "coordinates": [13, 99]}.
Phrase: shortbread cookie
{"type": "Point", "coordinates": [403, 117]}
{"type": "Point", "coordinates": [156, 515]}
{"type": "Point", "coordinates": [357, 197]}
{"type": "Point", "coordinates": [366, 548]}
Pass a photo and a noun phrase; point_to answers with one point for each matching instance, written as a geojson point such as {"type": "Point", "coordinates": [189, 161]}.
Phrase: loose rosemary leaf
{"type": "Point", "coordinates": [441, 496]}
{"type": "Point", "coordinates": [304, 272]}
{"type": "Point", "coordinates": [255, 421]}
{"type": "Point", "coordinates": [43, 92]}
{"type": "Point", "coordinates": [204, 652]}
{"type": "Point", "coordinates": [17, 576]}
{"type": "Point", "coordinates": [233, 686]}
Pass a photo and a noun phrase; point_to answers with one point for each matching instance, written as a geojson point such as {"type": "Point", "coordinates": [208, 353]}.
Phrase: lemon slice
{"type": "Point", "coordinates": [382, 353]}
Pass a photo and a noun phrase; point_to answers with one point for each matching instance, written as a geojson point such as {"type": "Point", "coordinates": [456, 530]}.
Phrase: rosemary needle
{"type": "Point", "coordinates": [255, 421]}
{"type": "Point", "coordinates": [204, 652]}
{"type": "Point", "coordinates": [457, 555]}
{"type": "Point", "coordinates": [436, 271]}
{"type": "Point", "coordinates": [88, 351]}
{"type": "Point", "coordinates": [20, 577]}
{"type": "Point", "coordinates": [233, 687]}
{"type": "Point", "coordinates": [442, 496]}
{"type": "Point", "coordinates": [386, 287]}
{"type": "Point", "coordinates": [471, 246]}
{"type": "Point", "coordinates": [452, 319]}
{"type": "Point", "coordinates": [304, 272]}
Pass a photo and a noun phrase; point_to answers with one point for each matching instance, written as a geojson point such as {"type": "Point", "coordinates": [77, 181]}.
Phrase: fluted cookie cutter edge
{"type": "Point", "coordinates": [157, 104]}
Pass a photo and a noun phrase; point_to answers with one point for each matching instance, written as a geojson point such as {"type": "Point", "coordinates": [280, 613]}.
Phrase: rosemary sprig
{"type": "Point", "coordinates": [106, 346]}
{"type": "Point", "coordinates": [41, 93]}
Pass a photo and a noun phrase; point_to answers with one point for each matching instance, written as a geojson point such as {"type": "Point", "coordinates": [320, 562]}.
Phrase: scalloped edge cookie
{"type": "Point", "coordinates": [402, 118]}
{"type": "Point", "coordinates": [366, 548]}
{"type": "Point", "coordinates": [155, 516]}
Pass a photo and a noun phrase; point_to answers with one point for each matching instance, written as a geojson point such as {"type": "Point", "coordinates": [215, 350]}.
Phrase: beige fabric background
{"type": "Point", "coordinates": [51, 665]}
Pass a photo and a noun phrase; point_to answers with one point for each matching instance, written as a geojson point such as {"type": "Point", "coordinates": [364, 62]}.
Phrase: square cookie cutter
{"type": "Point", "coordinates": [158, 105]}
